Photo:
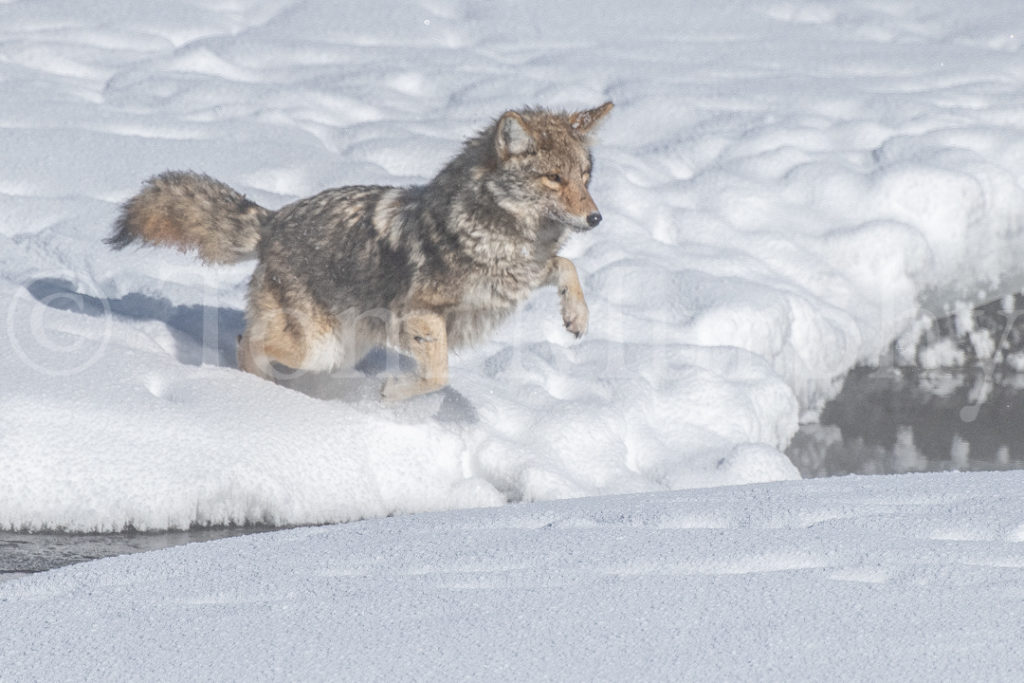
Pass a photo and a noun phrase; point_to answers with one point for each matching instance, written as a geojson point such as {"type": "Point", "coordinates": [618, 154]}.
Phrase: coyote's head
{"type": "Point", "coordinates": [544, 165]}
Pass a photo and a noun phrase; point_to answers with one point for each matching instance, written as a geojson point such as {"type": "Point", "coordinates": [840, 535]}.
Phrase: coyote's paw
{"type": "Point", "coordinates": [398, 389]}
{"type": "Point", "coordinates": [402, 388]}
{"type": "Point", "coordinates": [575, 315]}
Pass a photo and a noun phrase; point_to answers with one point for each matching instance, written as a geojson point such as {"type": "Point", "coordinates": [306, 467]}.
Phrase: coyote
{"type": "Point", "coordinates": [421, 269]}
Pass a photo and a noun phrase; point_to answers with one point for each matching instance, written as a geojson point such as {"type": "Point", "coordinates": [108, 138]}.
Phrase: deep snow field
{"type": "Point", "coordinates": [787, 187]}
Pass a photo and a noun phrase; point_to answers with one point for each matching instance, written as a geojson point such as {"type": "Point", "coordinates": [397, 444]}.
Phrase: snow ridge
{"type": "Point", "coordinates": [911, 577]}
{"type": "Point", "coordinates": [786, 188]}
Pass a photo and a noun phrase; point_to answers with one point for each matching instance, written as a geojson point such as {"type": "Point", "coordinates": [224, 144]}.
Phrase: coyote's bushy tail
{"type": "Point", "coordinates": [192, 211]}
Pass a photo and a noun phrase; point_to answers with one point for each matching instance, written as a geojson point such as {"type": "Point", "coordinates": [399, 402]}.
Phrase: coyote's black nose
{"type": "Point", "coordinates": [593, 219]}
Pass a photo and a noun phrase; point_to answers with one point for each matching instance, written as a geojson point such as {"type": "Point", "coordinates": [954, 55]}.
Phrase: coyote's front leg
{"type": "Point", "coordinates": [424, 337]}
{"type": "Point", "coordinates": [575, 314]}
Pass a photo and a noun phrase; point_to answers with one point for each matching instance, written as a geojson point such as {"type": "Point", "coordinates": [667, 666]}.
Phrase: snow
{"type": "Point", "coordinates": [903, 577]}
{"type": "Point", "coordinates": [787, 187]}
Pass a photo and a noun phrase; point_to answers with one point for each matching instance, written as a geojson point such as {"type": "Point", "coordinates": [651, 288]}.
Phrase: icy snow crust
{"type": "Point", "coordinates": [786, 188]}
{"type": "Point", "coordinates": [898, 578]}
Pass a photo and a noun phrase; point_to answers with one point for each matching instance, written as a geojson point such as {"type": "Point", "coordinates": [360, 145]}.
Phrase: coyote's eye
{"type": "Point", "coordinates": [552, 181]}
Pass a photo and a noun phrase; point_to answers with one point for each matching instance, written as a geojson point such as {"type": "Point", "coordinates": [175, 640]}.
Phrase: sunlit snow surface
{"type": "Point", "coordinates": [897, 578]}
{"type": "Point", "coordinates": [786, 188]}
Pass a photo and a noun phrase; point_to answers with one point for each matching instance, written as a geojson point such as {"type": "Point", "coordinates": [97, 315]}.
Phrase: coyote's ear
{"type": "Point", "coordinates": [583, 121]}
{"type": "Point", "coordinates": [512, 136]}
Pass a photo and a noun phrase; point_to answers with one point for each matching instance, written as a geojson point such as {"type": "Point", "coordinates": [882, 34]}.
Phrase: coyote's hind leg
{"type": "Point", "coordinates": [257, 352]}
{"type": "Point", "coordinates": [301, 338]}
{"type": "Point", "coordinates": [252, 362]}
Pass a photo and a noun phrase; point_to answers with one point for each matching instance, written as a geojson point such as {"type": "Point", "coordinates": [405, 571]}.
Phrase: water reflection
{"type": "Point", "coordinates": [26, 553]}
{"type": "Point", "coordinates": [883, 422]}
{"type": "Point", "coordinates": [907, 420]}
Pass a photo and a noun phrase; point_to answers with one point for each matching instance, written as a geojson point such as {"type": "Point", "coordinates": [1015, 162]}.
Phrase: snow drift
{"type": "Point", "coordinates": [786, 188]}
{"type": "Point", "coordinates": [911, 577]}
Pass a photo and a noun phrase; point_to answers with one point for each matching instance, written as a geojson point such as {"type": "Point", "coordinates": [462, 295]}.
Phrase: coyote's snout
{"type": "Point", "coordinates": [422, 269]}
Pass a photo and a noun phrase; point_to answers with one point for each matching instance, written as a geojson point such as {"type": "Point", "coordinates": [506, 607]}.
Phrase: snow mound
{"type": "Point", "coordinates": [912, 577]}
{"type": "Point", "coordinates": [786, 189]}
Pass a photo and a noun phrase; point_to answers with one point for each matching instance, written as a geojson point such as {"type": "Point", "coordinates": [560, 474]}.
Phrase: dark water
{"type": "Point", "coordinates": [883, 422]}
{"type": "Point", "coordinates": [26, 553]}
{"type": "Point", "coordinates": [907, 420]}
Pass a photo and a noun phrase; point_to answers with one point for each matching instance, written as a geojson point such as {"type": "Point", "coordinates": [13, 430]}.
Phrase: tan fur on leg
{"type": "Point", "coordinates": [256, 352]}
{"type": "Point", "coordinates": [575, 313]}
{"type": "Point", "coordinates": [247, 360]}
{"type": "Point", "coordinates": [423, 337]}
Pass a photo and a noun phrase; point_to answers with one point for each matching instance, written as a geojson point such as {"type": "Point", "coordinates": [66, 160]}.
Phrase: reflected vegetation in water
{"type": "Point", "coordinates": [890, 420]}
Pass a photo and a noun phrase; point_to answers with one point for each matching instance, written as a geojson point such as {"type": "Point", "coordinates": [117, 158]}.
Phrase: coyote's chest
{"type": "Point", "coordinates": [489, 294]}
{"type": "Point", "coordinates": [506, 282]}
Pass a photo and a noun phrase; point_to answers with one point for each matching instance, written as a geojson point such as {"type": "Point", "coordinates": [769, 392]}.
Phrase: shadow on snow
{"type": "Point", "coordinates": [205, 335]}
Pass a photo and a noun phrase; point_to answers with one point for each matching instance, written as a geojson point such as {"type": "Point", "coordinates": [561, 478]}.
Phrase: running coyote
{"type": "Point", "coordinates": [422, 269]}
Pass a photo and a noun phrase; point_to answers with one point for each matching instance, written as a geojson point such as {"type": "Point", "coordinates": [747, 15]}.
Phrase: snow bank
{"type": "Point", "coordinates": [913, 577]}
{"type": "Point", "coordinates": [786, 188]}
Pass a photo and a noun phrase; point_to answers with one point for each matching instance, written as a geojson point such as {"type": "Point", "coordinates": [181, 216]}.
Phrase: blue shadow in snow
{"type": "Point", "coordinates": [208, 335]}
